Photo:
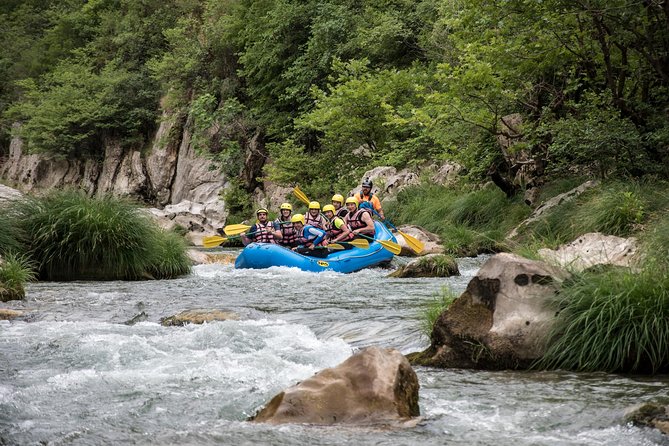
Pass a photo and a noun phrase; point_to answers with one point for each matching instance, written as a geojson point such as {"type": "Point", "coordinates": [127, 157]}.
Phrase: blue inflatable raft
{"type": "Point", "coordinates": [265, 255]}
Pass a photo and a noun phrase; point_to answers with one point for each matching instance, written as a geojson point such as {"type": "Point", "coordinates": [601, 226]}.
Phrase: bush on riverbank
{"type": "Point", "coordinates": [71, 236]}
{"type": "Point", "coordinates": [10, 234]}
{"type": "Point", "coordinates": [15, 271]}
{"type": "Point", "coordinates": [468, 221]}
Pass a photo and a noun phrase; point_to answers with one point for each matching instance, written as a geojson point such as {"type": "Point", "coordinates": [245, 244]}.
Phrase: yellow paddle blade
{"type": "Point", "coordinates": [300, 195]}
{"type": "Point", "coordinates": [236, 229]}
{"type": "Point", "coordinates": [364, 244]}
{"type": "Point", "coordinates": [416, 245]}
{"type": "Point", "coordinates": [391, 246]}
{"type": "Point", "coordinates": [213, 241]}
{"type": "Point", "coordinates": [335, 246]}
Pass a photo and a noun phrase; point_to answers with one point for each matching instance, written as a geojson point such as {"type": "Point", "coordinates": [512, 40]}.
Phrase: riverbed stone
{"type": "Point", "coordinates": [593, 249]}
{"type": "Point", "coordinates": [649, 415]}
{"type": "Point", "coordinates": [7, 315]}
{"type": "Point", "coordinates": [198, 317]}
{"type": "Point", "coordinates": [501, 319]}
{"type": "Point", "coordinates": [376, 386]}
{"type": "Point", "coordinates": [432, 265]}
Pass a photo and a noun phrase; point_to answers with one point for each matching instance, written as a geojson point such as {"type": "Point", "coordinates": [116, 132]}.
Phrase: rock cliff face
{"type": "Point", "coordinates": [169, 173]}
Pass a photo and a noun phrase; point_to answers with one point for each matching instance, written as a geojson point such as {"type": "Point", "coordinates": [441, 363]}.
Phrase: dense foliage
{"type": "Point", "coordinates": [331, 88]}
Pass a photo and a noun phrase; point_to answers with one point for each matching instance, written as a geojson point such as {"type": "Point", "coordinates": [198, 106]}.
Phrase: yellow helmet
{"type": "Point", "coordinates": [329, 207]}
{"type": "Point", "coordinates": [337, 197]}
{"type": "Point", "coordinates": [352, 200]}
{"type": "Point", "coordinates": [315, 205]}
{"type": "Point", "coordinates": [286, 206]}
{"type": "Point", "coordinates": [262, 210]}
{"type": "Point", "coordinates": [297, 218]}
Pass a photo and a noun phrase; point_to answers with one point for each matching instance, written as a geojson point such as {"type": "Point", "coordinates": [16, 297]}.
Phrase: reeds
{"type": "Point", "coordinates": [432, 309]}
{"type": "Point", "coordinates": [15, 271]}
{"type": "Point", "coordinates": [71, 236]}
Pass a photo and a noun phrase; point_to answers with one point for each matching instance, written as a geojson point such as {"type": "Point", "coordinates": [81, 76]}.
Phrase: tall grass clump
{"type": "Point", "coordinates": [10, 234]}
{"type": "Point", "coordinates": [15, 271]}
{"type": "Point", "coordinates": [614, 321]}
{"type": "Point", "coordinates": [469, 221]}
{"type": "Point", "coordinates": [71, 236]}
{"type": "Point", "coordinates": [170, 259]}
{"type": "Point", "coordinates": [432, 309]}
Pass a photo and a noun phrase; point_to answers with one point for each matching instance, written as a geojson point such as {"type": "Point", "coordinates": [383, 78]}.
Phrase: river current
{"type": "Point", "coordinates": [92, 365]}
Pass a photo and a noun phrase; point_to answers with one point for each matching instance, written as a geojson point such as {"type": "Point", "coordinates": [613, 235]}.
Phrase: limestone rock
{"type": "Point", "coordinates": [198, 317]}
{"type": "Point", "coordinates": [431, 241]}
{"type": "Point", "coordinates": [197, 219]}
{"type": "Point", "coordinates": [649, 415]}
{"type": "Point", "coordinates": [161, 162]}
{"type": "Point", "coordinates": [8, 194]}
{"type": "Point", "coordinates": [387, 181]}
{"type": "Point", "coordinates": [546, 207]}
{"type": "Point", "coordinates": [500, 319]}
{"type": "Point", "coordinates": [431, 265]}
{"type": "Point", "coordinates": [374, 386]}
{"type": "Point", "coordinates": [199, 257]}
{"type": "Point", "coordinates": [447, 173]}
{"type": "Point", "coordinates": [593, 249]}
{"type": "Point", "coordinates": [7, 314]}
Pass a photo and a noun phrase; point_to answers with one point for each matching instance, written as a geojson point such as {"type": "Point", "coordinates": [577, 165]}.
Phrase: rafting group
{"type": "Point", "coordinates": [339, 224]}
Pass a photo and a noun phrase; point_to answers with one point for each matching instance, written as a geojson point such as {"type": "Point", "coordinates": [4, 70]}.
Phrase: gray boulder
{"type": "Point", "coordinates": [501, 319]}
{"type": "Point", "coordinates": [198, 317]}
{"type": "Point", "coordinates": [593, 249]}
{"type": "Point", "coordinates": [432, 265]}
{"type": "Point", "coordinates": [431, 241]}
{"type": "Point", "coordinates": [374, 386]}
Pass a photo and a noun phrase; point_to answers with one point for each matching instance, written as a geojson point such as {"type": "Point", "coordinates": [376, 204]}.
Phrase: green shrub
{"type": "Point", "coordinates": [612, 320]}
{"type": "Point", "coordinates": [170, 256]}
{"type": "Point", "coordinates": [10, 234]}
{"type": "Point", "coordinates": [72, 236]}
{"type": "Point", "coordinates": [431, 310]}
{"type": "Point", "coordinates": [15, 271]}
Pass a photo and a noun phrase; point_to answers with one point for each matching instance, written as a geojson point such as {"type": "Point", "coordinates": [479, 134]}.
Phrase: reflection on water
{"type": "Point", "coordinates": [77, 374]}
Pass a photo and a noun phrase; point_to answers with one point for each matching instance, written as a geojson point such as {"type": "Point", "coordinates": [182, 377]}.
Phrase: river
{"type": "Point", "coordinates": [75, 373]}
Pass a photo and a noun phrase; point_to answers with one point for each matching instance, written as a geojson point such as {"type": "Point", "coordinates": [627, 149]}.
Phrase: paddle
{"type": "Point", "coordinates": [213, 241]}
{"type": "Point", "coordinates": [301, 195]}
{"type": "Point", "coordinates": [416, 245]}
{"type": "Point", "coordinates": [390, 246]}
{"type": "Point", "coordinates": [364, 244]}
{"type": "Point", "coordinates": [240, 228]}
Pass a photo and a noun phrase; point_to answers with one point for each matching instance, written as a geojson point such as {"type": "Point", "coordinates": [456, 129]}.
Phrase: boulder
{"type": "Point", "coordinates": [374, 386]}
{"type": "Point", "coordinates": [593, 249]}
{"type": "Point", "coordinates": [548, 206]}
{"type": "Point", "coordinates": [198, 317]}
{"type": "Point", "coordinates": [445, 174]}
{"type": "Point", "coordinates": [8, 194]}
{"type": "Point", "coordinates": [649, 415]}
{"type": "Point", "coordinates": [387, 181]}
{"type": "Point", "coordinates": [431, 265]}
{"type": "Point", "coordinates": [431, 241]}
{"type": "Point", "coordinates": [501, 319]}
{"type": "Point", "coordinates": [7, 314]}
{"type": "Point", "coordinates": [197, 219]}
{"type": "Point", "coordinates": [199, 257]}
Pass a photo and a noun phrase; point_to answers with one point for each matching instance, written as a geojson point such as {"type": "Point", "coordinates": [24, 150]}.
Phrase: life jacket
{"type": "Point", "coordinates": [302, 239]}
{"type": "Point", "coordinates": [264, 232]}
{"type": "Point", "coordinates": [317, 222]}
{"type": "Point", "coordinates": [354, 220]}
{"type": "Point", "coordinates": [334, 231]}
{"type": "Point", "coordinates": [342, 212]}
{"type": "Point", "coordinates": [288, 232]}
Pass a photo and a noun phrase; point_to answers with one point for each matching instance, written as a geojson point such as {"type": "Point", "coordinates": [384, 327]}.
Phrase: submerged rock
{"type": "Point", "coordinates": [593, 249]}
{"type": "Point", "coordinates": [432, 265]}
{"type": "Point", "coordinates": [7, 314]}
{"type": "Point", "coordinates": [500, 320]}
{"type": "Point", "coordinates": [649, 415]}
{"type": "Point", "coordinates": [374, 386]}
{"type": "Point", "coordinates": [198, 317]}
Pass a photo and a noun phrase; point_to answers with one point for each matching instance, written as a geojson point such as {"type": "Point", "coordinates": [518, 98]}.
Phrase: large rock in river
{"type": "Point", "coordinates": [500, 320]}
{"type": "Point", "coordinates": [433, 265]}
{"type": "Point", "coordinates": [374, 386]}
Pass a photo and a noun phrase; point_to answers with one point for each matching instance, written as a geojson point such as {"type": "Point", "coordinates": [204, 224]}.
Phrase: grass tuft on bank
{"type": "Point", "coordinates": [431, 310]}
{"type": "Point", "coordinates": [71, 236]}
{"type": "Point", "coordinates": [15, 271]}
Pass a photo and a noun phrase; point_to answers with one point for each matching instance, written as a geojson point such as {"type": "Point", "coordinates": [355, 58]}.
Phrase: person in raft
{"type": "Point", "coordinates": [262, 231]}
{"type": "Point", "coordinates": [359, 219]}
{"type": "Point", "coordinates": [284, 231]}
{"type": "Point", "coordinates": [309, 238]}
{"type": "Point", "coordinates": [314, 217]}
{"type": "Point", "coordinates": [366, 194]}
{"type": "Point", "coordinates": [338, 230]}
{"type": "Point", "coordinates": [338, 203]}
